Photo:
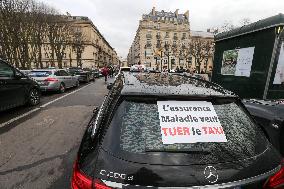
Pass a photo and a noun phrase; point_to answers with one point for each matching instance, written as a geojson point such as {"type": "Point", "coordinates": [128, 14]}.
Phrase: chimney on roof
{"type": "Point", "coordinates": [176, 12]}
{"type": "Point", "coordinates": [154, 11]}
{"type": "Point", "coordinates": [186, 14]}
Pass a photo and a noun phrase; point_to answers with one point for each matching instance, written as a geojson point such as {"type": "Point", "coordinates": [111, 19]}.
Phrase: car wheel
{"type": "Point", "coordinates": [34, 97]}
{"type": "Point", "coordinates": [77, 83]}
{"type": "Point", "coordinates": [62, 88]}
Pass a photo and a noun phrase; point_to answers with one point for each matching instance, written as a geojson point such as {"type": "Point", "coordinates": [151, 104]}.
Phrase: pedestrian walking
{"type": "Point", "coordinates": [105, 72]}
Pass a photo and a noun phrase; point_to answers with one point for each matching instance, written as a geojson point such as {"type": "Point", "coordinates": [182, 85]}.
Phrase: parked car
{"type": "Point", "coordinates": [91, 72]}
{"type": "Point", "coordinates": [124, 69]}
{"type": "Point", "coordinates": [54, 79]}
{"type": "Point", "coordinates": [83, 76]}
{"type": "Point", "coordinates": [96, 73]}
{"type": "Point", "coordinates": [270, 115]}
{"type": "Point", "coordinates": [135, 68]}
{"type": "Point", "coordinates": [26, 72]}
{"type": "Point", "coordinates": [100, 72]}
{"type": "Point", "coordinates": [16, 89]}
{"type": "Point", "coordinates": [171, 131]}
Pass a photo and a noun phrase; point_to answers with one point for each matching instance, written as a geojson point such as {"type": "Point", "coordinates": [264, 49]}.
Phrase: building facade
{"type": "Point", "coordinates": [88, 48]}
{"type": "Point", "coordinates": [164, 39]}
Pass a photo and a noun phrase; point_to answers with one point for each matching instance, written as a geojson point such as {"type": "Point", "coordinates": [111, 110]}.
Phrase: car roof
{"type": "Point", "coordinates": [47, 70]}
{"type": "Point", "coordinates": [166, 84]}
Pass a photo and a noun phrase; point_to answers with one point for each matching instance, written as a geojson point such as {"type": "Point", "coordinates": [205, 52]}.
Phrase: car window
{"type": "Point", "coordinates": [40, 73]}
{"type": "Point", "coordinates": [57, 73]}
{"type": "Point", "coordinates": [140, 131]}
{"type": "Point", "coordinates": [63, 73]}
{"type": "Point", "coordinates": [124, 69]}
{"type": "Point", "coordinates": [5, 70]}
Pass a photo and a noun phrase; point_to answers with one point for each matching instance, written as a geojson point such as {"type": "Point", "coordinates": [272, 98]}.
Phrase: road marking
{"type": "Point", "coordinates": [19, 117]}
{"type": "Point", "coordinates": [46, 104]}
{"type": "Point", "coordinates": [42, 106]}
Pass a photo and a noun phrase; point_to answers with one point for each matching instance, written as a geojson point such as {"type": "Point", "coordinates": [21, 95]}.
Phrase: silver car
{"type": "Point", "coordinates": [54, 79]}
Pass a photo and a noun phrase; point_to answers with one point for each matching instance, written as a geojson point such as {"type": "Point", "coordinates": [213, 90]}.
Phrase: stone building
{"type": "Point", "coordinates": [164, 39]}
{"type": "Point", "coordinates": [89, 49]}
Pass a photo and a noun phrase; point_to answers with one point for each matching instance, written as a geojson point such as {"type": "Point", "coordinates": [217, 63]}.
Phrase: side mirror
{"type": "Point", "coordinates": [95, 110]}
{"type": "Point", "coordinates": [109, 86]}
{"type": "Point", "coordinates": [18, 75]}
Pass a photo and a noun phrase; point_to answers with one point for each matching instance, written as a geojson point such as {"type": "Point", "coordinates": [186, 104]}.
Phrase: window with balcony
{"type": "Point", "coordinates": [148, 44]}
{"type": "Point", "coordinates": [174, 44]}
{"type": "Point", "coordinates": [158, 44]}
{"type": "Point", "coordinates": [158, 36]}
{"type": "Point", "coordinates": [167, 35]}
{"type": "Point", "coordinates": [175, 36]}
{"type": "Point", "coordinates": [189, 60]}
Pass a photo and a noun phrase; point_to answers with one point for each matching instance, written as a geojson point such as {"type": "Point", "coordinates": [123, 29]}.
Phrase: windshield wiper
{"type": "Point", "coordinates": [186, 151]}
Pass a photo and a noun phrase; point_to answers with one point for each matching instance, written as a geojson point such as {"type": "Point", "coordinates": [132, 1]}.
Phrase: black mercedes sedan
{"type": "Point", "coordinates": [270, 115]}
{"type": "Point", "coordinates": [16, 89]}
{"type": "Point", "coordinates": [160, 130]}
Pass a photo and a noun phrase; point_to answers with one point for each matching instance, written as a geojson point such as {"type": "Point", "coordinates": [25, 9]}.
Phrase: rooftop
{"type": "Point", "coordinates": [201, 34]}
{"type": "Point", "coordinates": [277, 20]}
{"type": "Point", "coordinates": [166, 16]}
{"type": "Point", "coordinates": [170, 85]}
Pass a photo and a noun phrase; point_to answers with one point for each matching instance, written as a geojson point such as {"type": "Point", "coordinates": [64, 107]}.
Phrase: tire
{"type": "Point", "coordinates": [34, 97]}
{"type": "Point", "coordinates": [77, 84]}
{"type": "Point", "coordinates": [61, 88]}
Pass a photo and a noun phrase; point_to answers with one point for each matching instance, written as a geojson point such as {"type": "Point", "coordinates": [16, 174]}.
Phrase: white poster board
{"type": "Point", "coordinates": [237, 62]}
{"type": "Point", "coordinates": [244, 62]}
{"type": "Point", "coordinates": [279, 74]}
{"type": "Point", "coordinates": [189, 122]}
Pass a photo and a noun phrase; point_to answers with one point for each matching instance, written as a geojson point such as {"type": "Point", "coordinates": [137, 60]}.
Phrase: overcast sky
{"type": "Point", "coordinates": [118, 20]}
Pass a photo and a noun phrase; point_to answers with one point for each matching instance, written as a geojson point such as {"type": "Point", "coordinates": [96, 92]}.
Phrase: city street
{"type": "Point", "coordinates": [191, 100]}
{"type": "Point", "coordinates": [38, 150]}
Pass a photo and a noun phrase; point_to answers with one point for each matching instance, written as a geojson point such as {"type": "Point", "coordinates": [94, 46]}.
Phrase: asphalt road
{"type": "Point", "coordinates": [38, 150]}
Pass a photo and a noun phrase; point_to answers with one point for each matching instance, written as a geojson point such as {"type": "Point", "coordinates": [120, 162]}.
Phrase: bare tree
{"type": "Point", "coordinates": [22, 24]}
{"type": "Point", "coordinates": [78, 46]}
{"type": "Point", "coordinates": [209, 49]}
{"type": "Point", "coordinates": [201, 50]}
{"type": "Point", "coordinates": [227, 26]}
